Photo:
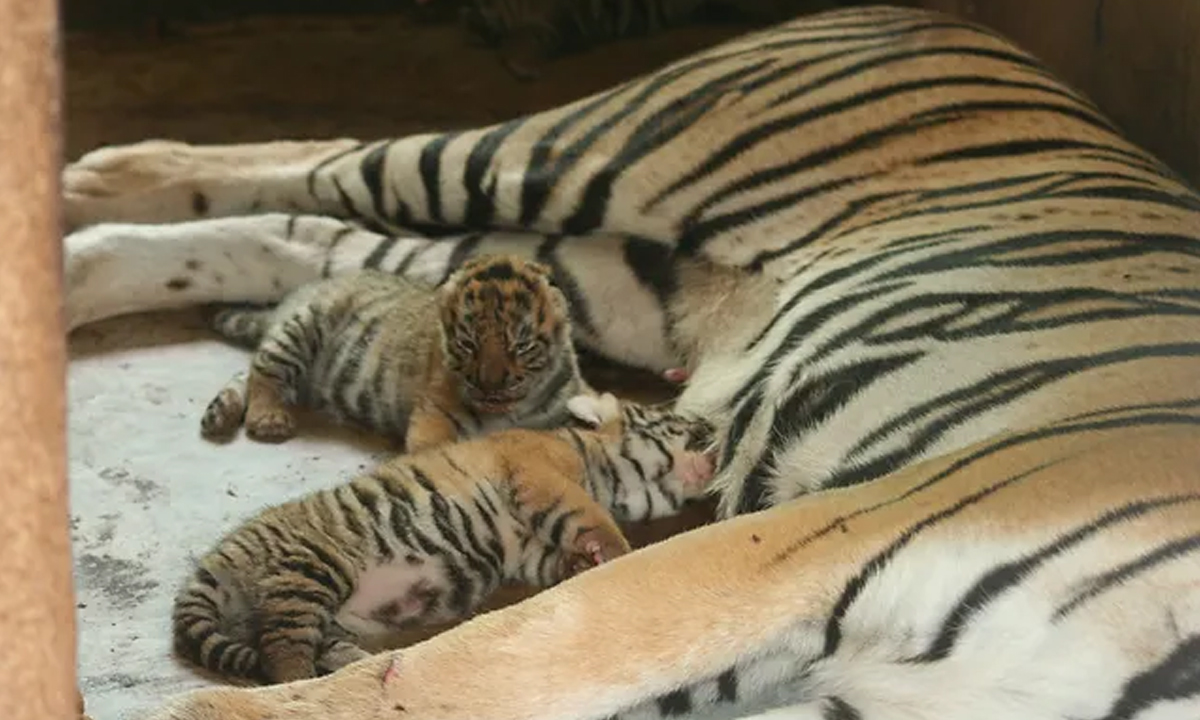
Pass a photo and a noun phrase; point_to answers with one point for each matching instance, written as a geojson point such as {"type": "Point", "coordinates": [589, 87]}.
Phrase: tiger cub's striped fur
{"type": "Point", "coordinates": [427, 537]}
{"type": "Point", "coordinates": [488, 350]}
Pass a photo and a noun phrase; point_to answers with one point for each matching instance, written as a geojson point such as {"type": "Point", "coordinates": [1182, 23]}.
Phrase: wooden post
{"type": "Point", "coordinates": [37, 609]}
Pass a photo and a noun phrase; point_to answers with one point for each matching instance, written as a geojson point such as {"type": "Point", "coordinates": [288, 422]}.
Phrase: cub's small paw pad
{"type": "Point", "coordinates": [594, 551]}
{"type": "Point", "coordinates": [592, 548]}
{"type": "Point", "coordinates": [274, 426]}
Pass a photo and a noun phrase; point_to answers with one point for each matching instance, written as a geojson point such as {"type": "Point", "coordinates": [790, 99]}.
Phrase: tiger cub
{"type": "Point", "coordinates": [426, 537]}
{"type": "Point", "coordinates": [488, 350]}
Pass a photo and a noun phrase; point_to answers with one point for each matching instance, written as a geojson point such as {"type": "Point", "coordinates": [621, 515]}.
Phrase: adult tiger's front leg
{"type": "Point", "coordinates": [574, 651]}
{"type": "Point", "coordinates": [117, 268]}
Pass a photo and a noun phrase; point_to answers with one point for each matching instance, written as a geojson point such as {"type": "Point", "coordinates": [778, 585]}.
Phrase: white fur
{"type": "Point", "coordinates": [380, 584]}
{"type": "Point", "coordinates": [594, 410]}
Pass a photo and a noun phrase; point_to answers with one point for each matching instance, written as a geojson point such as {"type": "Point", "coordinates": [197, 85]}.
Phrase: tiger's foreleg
{"type": "Point", "coordinates": [432, 421]}
{"type": "Point", "coordinates": [280, 373]}
{"type": "Point", "coordinates": [114, 269]}
{"type": "Point", "coordinates": [544, 492]}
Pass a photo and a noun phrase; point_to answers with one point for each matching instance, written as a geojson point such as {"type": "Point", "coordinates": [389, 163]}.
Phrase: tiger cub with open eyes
{"type": "Point", "coordinates": [488, 350]}
{"type": "Point", "coordinates": [426, 537]}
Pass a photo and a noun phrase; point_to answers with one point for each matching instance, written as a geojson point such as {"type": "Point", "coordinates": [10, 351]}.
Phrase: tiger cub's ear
{"type": "Point", "coordinates": [594, 410]}
{"type": "Point", "coordinates": [543, 270]}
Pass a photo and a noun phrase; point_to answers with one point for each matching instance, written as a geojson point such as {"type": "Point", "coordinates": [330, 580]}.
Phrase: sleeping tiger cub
{"type": "Point", "coordinates": [427, 537]}
{"type": "Point", "coordinates": [489, 349]}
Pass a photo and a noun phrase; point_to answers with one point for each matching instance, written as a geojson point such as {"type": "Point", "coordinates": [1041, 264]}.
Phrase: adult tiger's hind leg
{"type": "Point", "coordinates": [165, 181]}
{"type": "Point", "coordinates": [618, 305]}
{"type": "Point", "coordinates": [120, 268]}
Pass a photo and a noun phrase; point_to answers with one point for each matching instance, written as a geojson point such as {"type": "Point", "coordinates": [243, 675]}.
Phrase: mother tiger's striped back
{"type": "Point", "coordinates": [876, 237]}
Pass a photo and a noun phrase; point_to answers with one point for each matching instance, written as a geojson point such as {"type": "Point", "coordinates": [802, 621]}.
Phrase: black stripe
{"type": "Point", "coordinates": [805, 409]}
{"type": "Point", "coordinates": [802, 329]}
{"type": "Point", "coordinates": [402, 268]}
{"type": "Point", "coordinates": [854, 208]}
{"type": "Point", "coordinates": [559, 529]}
{"type": "Point", "coordinates": [1001, 579]}
{"type": "Point", "coordinates": [310, 181]}
{"type": "Point", "coordinates": [371, 169]}
{"type": "Point", "coordinates": [675, 703]}
{"type": "Point", "coordinates": [429, 166]}
{"type": "Point", "coordinates": [698, 229]}
{"type": "Point", "coordinates": [1102, 244]}
{"type": "Point", "coordinates": [835, 708]}
{"type": "Point", "coordinates": [1177, 677]}
{"type": "Point", "coordinates": [727, 686]}
{"type": "Point", "coordinates": [542, 178]}
{"type": "Point", "coordinates": [738, 427]}
{"type": "Point", "coordinates": [485, 508]}
{"type": "Point", "coordinates": [1127, 571]}
{"type": "Point", "coordinates": [461, 596]}
{"type": "Point", "coordinates": [944, 412]}
{"type": "Point", "coordinates": [464, 248]}
{"type": "Point", "coordinates": [877, 564]}
{"type": "Point", "coordinates": [377, 255]}
{"type": "Point", "coordinates": [1153, 415]}
{"type": "Point", "coordinates": [762, 132]}
{"type": "Point", "coordinates": [340, 578]}
{"type": "Point", "coordinates": [495, 560]}
{"type": "Point", "coordinates": [577, 300]}
{"type": "Point", "coordinates": [653, 266]}
{"type": "Point", "coordinates": [652, 133]}
{"type": "Point", "coordinates": [948, 317]}
{"type": "Point", "coordinates": [481, 201]}
{"type": "Point", "coordinates": [827, 279]}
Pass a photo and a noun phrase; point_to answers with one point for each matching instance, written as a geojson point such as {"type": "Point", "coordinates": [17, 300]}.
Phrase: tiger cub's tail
{"type": "Point", "coordinates": [242, 324]}
{"type": "Point", "coordinates": [198, 626]}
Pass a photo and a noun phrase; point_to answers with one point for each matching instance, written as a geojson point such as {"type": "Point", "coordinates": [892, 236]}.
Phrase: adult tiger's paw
{"type": "Point", "coordinates": [141, 182]}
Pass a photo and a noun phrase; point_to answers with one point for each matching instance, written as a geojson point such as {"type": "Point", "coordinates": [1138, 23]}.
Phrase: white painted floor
{"type": "Point", "coordinates": [148, 494]}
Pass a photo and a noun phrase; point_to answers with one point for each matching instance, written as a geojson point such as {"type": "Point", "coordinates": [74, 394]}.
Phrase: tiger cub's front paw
{"type": "Point", "coordinates": [224, 415]}
{"type": "Point", "coordinates": [275, 425]}
{"type": "Point", "coordinates": [592, 547]}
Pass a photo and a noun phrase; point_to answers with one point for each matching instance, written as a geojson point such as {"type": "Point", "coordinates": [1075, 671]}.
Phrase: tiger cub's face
{"type": "Point", "coordinates": [505, 329]}
{"type": "Point", "coordinates": [665, 446]}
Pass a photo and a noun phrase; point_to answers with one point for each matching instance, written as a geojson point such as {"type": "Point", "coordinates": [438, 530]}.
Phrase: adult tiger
{"type": "Point", "coordinates": [917, 280]}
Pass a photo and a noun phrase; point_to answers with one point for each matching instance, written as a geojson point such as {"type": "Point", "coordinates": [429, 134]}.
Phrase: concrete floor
{"type": "Point", "coordinates": [148, 494]}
